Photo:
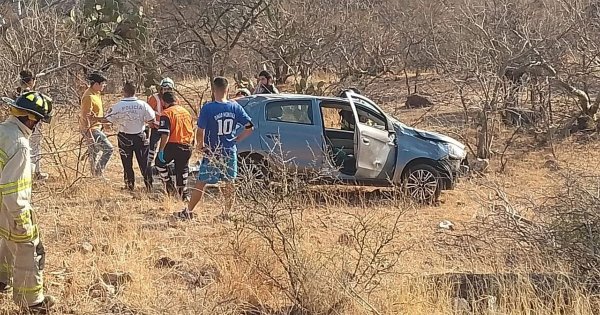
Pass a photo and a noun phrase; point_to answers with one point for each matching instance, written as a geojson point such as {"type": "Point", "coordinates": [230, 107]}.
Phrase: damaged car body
{"type": "Point", "coordinates": [352, 140]}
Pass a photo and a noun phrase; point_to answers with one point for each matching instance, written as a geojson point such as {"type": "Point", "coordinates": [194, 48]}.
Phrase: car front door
{"type": "Point", "coordinates": [292, 132]}
{"type": "Point", "coordinates": [374, 141]}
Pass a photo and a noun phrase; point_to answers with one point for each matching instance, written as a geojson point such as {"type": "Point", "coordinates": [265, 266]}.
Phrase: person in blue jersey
{"type": "Point", "coordinates": [216, 138]}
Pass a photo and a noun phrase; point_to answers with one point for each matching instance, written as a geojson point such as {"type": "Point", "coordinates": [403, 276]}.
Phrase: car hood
{"type": "Point", "coordinates": [427, 135]}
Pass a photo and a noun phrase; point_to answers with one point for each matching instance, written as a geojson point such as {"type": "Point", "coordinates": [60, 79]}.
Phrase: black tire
{"type": "Point", "coordinates": [252, 167]}
{"type": "Point", "coordinates": [422, 183]}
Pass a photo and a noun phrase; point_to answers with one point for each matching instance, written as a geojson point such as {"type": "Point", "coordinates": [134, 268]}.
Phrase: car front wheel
{"type": "Point", "coordinates": [422, 183]}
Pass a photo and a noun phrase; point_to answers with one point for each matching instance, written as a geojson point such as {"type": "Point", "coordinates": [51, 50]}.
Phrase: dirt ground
{"type": "Point", "coordinates": [91, 227]}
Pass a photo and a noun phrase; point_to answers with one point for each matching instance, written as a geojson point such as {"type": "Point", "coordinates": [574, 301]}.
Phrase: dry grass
{"type": "Point", "coordinates": [218, 264]}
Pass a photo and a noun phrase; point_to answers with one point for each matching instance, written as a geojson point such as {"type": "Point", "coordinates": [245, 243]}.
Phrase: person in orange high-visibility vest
{"type": "Point", "coordinates": [176, 139]}
{"type": "Point", "coordinates": [156, 102]}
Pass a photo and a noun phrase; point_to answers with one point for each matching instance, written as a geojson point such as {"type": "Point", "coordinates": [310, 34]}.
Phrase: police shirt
{"type": "Point", "coordinates": [130, 115]}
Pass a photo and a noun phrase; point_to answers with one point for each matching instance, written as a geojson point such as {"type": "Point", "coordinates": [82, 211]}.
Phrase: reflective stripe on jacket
{"type": "Point", "coordinates": [15, 181]}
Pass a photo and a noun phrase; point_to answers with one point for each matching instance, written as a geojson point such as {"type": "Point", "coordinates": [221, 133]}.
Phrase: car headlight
{"type": "Point", "coordinates": [455, 152]}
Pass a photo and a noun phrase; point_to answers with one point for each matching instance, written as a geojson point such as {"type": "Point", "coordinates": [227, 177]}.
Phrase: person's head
{"type": "Point", "coordinates": [166, 85]}
{"type": "Point", "coordinates": [265, 78]}
{"type": "Point", "coordinates": [220, 86]}
{"type": "Point", "coordinates": [169, 98]}
{"type": "Point", "coordinates": [97, 81]}
{"type": "Point", "coordinates": [129, 89]}
{"type": "Point", "coordinates": [31, 108]}
{"type": "Point", "coordinates": [27, 79]}
{"type": "Point", "coordinates": [242, 92]}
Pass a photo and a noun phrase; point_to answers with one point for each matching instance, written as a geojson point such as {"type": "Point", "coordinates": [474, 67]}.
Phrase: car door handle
{"type": "Point", "coordinates": [366, 141]}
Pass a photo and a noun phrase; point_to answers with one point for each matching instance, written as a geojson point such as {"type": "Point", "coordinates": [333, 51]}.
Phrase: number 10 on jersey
{"type": "Point", "coordinates": [225, 126]}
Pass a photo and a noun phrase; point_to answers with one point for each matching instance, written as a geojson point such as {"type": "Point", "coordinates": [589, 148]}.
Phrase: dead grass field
{"type": "Point", "coordinates": [213, 265]}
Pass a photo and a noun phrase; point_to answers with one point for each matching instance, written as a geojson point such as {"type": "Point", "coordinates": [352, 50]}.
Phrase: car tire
{"type": "Point", "coordinates": [422, 183]}
{"type": "Point", "coordinates": [251, 167]}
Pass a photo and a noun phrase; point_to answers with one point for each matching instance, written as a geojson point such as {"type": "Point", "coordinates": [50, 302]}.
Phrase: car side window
{"type": "Point", "coordinates": [370, 118]}
{"type": "Point", "coordinates": [298, 112]}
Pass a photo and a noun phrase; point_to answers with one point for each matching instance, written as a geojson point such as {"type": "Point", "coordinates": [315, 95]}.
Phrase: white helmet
{"type": "Point", "coordinates": [167, 82]}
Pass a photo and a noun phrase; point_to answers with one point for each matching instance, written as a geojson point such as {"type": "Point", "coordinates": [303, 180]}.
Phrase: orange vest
{"type": "Point", "coordinates": [182, 130]}
{"type": "Point", "coordinates": [157, 104]}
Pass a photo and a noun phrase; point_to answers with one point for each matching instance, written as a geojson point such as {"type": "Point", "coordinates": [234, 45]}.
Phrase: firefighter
{"type": "Point", "coordinates": [22, 254]}
{"type": "Point", "coordinates": [176, 138]}
{"type": "Point", "coordinates": [27, 83]}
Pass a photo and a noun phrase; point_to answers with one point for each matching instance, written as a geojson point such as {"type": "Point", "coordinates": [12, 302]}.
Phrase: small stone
{"type": "Point", "coordinates": [166, 262]}
{"type": "Point", "coordinates": [345, 239]}
{"type": "Point", "coordinates": [551, 165]}
{"type": "Point", "coordinates": [417, 101]}
{"type": "Point", "coordinates": [447, 225]}
{"type": "Point", "coordinates": [480, 165]}
{"type": "Point", "coordinates": [101, 289]}
{"type": "Point", "coordinates": [87, 248]}
{"type": "Point", "coordinates": [117, 278]}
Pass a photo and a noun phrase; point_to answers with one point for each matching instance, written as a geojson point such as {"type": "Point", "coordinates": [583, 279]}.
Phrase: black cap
{"type": "Point", "coordinates": [265, 74]}
{"type": "Point", "coordinates": [96, 77]}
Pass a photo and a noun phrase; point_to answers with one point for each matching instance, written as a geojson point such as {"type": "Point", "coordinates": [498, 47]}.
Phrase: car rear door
{"type": "Point", "coordinates": [291, 131]}
{"type": "Point", "coordinates": [374, 147]}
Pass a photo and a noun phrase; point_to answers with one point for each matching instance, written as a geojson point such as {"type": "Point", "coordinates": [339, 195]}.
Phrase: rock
{"type": "Point", "coordinates": [117, 278]}
{"type": "Point", "coordinates": [552, 165]}
{"type": "Point", "coordinates": [447, 225]}
{"type": "Point", "coordinates": [479, 165]}
{"type": "Point", "coordinates": [101, 289]}
{"type": "Point", "coordinates": [345, 239]}
{"type": "Point", "coordinates": [201, 278]}
{"type": "Point", "coordinates": [87, 248]}
{"type": "Point", "coordinates": [417, 101]}
{"type": "Point", "coordinates": [166, 262]}
{"type": "Point", "coordinates": [461, 306]}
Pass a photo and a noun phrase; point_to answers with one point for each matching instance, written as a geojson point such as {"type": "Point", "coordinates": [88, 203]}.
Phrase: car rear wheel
{"type": "Point", "coordinates": [251, 167]}
{"type": "Point", "coordinates": [422, 183]}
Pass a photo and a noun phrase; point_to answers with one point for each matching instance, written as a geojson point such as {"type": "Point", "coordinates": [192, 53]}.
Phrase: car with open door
{"type": "Point", "coordinates": [348, 139]}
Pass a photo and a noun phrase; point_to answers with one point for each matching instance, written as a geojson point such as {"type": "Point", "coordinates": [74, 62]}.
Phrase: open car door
{"type": "Point", "coordinates": [373, 147]}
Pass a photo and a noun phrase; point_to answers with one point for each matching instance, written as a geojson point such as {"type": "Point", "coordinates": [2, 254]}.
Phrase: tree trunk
{"type": "Point", "coordinates": [483, 136]}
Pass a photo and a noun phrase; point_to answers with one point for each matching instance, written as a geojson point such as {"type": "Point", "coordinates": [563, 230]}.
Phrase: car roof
{"type": "Point", "coordinates": [286, 96]}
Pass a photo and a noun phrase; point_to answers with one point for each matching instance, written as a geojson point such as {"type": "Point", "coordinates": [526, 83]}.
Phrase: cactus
{"type": "Point", "coordinates": [303, 87]}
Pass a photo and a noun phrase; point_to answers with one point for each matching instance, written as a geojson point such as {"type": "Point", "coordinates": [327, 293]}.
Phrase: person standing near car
{"type": "Point", "coordinates": [131, 115]}
{"type": "Point", "coordinates": [156, 102]}
{"type": "Point", "coordinates": [216, 138]}
{"type": "Point", "coordinates": [264, 84]}
{"type": "Point", "coordinates": [176, 137]}
{"type": "Point", "coordinates": [91, 103]}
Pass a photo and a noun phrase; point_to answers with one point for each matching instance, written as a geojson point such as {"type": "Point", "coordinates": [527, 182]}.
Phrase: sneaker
{"type": "Point", "coordinates": [5, 288]}
{"type": "Point", "coordinates": [184, 215]}
{"type": "Point", "coordinates": [44, 306]}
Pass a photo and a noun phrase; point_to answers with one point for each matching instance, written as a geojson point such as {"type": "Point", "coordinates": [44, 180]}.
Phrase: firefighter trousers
{"type": "Point", "coordinates": [22, 259]}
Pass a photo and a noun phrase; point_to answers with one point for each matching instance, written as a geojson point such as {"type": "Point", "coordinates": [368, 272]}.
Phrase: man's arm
{"type": "Point", "coordinates": [247, 131]}
{"type": "Point", "coordinates": [164, 129]}
{"type": "Point", "coordinates": [200, 139]}
{"type": "Point", "coordinates": [93, 119]}
{"type": "Point", "coordinates": [15, 189]}
{"type": "Point", "coordinates": [86, 110]}
{"type": "Point", "coordinates": [245, 120]}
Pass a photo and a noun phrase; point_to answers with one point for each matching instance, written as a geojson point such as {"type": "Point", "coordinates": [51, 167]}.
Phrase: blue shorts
{"type": "Point", "coordinates": [214, 169]}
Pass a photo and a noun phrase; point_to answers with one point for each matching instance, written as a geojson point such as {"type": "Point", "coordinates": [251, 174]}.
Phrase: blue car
{"type": "Point", "coordinates": [349, 139]}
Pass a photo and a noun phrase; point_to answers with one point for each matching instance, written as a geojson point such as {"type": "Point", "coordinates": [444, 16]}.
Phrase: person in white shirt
{"type": "Point", "coordinates": [131, 115]}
